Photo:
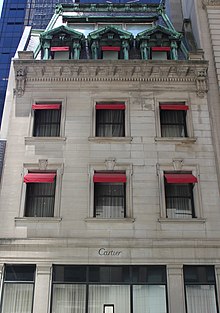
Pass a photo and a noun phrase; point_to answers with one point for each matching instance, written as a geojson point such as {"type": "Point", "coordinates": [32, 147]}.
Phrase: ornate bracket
{"type": "Point", "coordinates": [201, 82]}
{"type": "Point", "coordinates": [20, 78]}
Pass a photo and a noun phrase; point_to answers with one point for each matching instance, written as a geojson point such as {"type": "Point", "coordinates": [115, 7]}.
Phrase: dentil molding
{"type": "Point", "coordinates": [211, 2]}
{"type": "Point", "coordinates": [173, 72]}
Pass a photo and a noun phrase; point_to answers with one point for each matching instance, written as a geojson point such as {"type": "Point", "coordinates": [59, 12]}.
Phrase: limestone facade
{"type": "Point", "coordinates": [146, 236]}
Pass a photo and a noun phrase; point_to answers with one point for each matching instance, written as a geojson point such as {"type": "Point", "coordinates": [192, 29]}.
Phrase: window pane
{"type": "Point", "coordinates": [69, 298]}
{"type": "Point", "coordinates": [173, 123]}
{"type": "Point", "coordinates": [69, 273]}
{"type": "Point", "coordinates": [47, 123]}
{"type": "Point", "coordinates": [109, 200]}
{"type": "Point", "coordinates": [201, 299]}
{"type": "Point", "coordinates": [110, 55]}
{"type": "Point", "coordinates": [159, 55]}
{"type": "Point", "coordinates": [149, 274]}
{"type": "Point", "coordinates": [19, 272]}
{"type": "Point", "coordinates": [179, 200]}
{"type": "Point", "coordinates": [109, 294]}
{"type": "Point", "coordinates": [149, 299]}
{"type": "Point", "coordinates": [110, 123]}
{"type": "Point", "coordinates": [40, 199]}
{"type": "Point", "coordinates": [17, 298]}
{"type": "Point", "coordinates": [109, 274]}
{"type": "Point", "coordinates": [201, 274]}
{"type": "Point", "coordinates": [61, 55]}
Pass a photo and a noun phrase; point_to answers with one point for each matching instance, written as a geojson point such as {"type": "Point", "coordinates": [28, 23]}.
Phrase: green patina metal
{"type": "Point", "coordinates": [118, 32]}
{"type": "Point", "coordinates": [108, 7]}
{"type": "Point", "coordinates": [62, 36]}
{"type": "Point", "coordinates": [157, 35]}
{"type": "Point", "coordinates": [63, 29]}
{"type": "Point", "coordinates": [110, 36]}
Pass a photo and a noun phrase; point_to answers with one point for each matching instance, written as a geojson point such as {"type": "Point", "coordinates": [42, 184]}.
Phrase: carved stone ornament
{"type": "Point", "coordinates": [20, 81]}
{"type": "Point", "coordinates": [177, 164]}
{"type": "Point", "coordinates": [211, 2]}
{"type": "Point", "coordinates": [192, 74]}
{"type": "Point", "coordinates": [201, 82]}
{"type": "Point", "coordinates": [43, 163]}
{"type": "Point", "coordinates": [110, 164]}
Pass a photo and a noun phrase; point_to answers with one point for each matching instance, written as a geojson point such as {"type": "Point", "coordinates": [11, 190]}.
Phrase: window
{"type": "Point", "coordinates": [109, 194]}
{"type": "Point", "coordinates": [200, 289]}
{"type": "Point", "coordinates": [173, 119]}
{"type": "Point", "coordinates": [110, 53]}
{"type": "Point", "coordinates": [46, 120]}
{"type": "Point", "coordinates": [109, 289]}
{"type": "Point", "coordinates": [160, 53]}
{"type": "Point", "coordinates": [179, 195]}
{"type": "Point", "coordinates": [18, 289]}
{"type": "Point", "coordinates": [110, 119]}
{"type": "Point", "coordinates": [40, 194]}
{"type": "Point", "coordinates": [60, 53]}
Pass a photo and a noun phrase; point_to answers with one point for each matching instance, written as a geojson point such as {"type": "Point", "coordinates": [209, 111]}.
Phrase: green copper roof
{"type": "Point", "coordinates": [65, 29]}
{"type": "Point", "coordinates": [123, 34]}
{"type": "Point", "coordinates": [158, 28]}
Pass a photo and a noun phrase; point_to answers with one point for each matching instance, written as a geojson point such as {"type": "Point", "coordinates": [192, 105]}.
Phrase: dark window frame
{"type": "Point", "coordinates": [111, 185]}
{"type": "Point", "coordinates": [169, 196]}
{"type": "Point", "coordinates": [199, 281]}
{"type": "Point", "coordinates": [30, 197]}
{"type": "Point", "coordinates": [100, 125]}
{"type": "Point", "coordinates": [182, 125]}
{"type": "Point", "coordinates": [17, 281]}
{"type": "Point", "coordinates": [129, 281]}
{"type": "Point", "coordinates": [43, 127]}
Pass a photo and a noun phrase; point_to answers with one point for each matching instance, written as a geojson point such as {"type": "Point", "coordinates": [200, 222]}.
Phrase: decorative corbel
{"type": "Point", "coordinates": [20, 78]}
{"type": "Point", "coordinates": [201, 82]}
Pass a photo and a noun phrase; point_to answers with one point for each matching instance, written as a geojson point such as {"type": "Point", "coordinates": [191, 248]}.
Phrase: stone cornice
{"type": "Point", "coordinates": [211, 2]}
{"type": "Point", "coordinates": [176, 72]}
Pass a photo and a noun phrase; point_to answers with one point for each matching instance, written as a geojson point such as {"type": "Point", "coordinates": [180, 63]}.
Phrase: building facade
{"type": "Point", "coordinates": [110, 198]}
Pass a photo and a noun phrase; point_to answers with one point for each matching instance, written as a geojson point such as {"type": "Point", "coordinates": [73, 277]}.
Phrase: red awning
{"type": "Point", "coordinates": [45, 106]}
{"type": "Point", "coordinates": [160, 49]}
{"type": "Point", "coordinates": [174, 107]}
{"type": "Point", "coordinates": [54, 49]}
{"type": "Point", "coordinates": [110, 106]}
{"type": "Point", "coordinates": [180, 178]}
{"type": "Point", "coordinates": [39, 178]}
{"type": "Point", "coordinates": [110, 48]}
{"type": "Point", "coordinates": [105, 177]}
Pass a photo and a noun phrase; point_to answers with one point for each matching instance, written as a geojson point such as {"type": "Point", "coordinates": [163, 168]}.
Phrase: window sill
{"type": "Point", "coordinates": [33, 140]}
{"type": "Point", "coordinates": [176, 139]}
{"type": "Point", "coordinates": [109, 220]}
{"type": "Point", "coordinates": [182, 220]}
{"type": "Point", "coordinates": [23, 221]}
{"type": "Point", "coordinates": [110, 139]}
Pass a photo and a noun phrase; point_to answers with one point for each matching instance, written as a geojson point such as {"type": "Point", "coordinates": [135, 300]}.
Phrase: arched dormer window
{"type": "Point", "coordinates": [159, 43]}
{"type": "Point", "coordinates": [111, 43]}
{"type": "Point", "coordinates": [61, 43]}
